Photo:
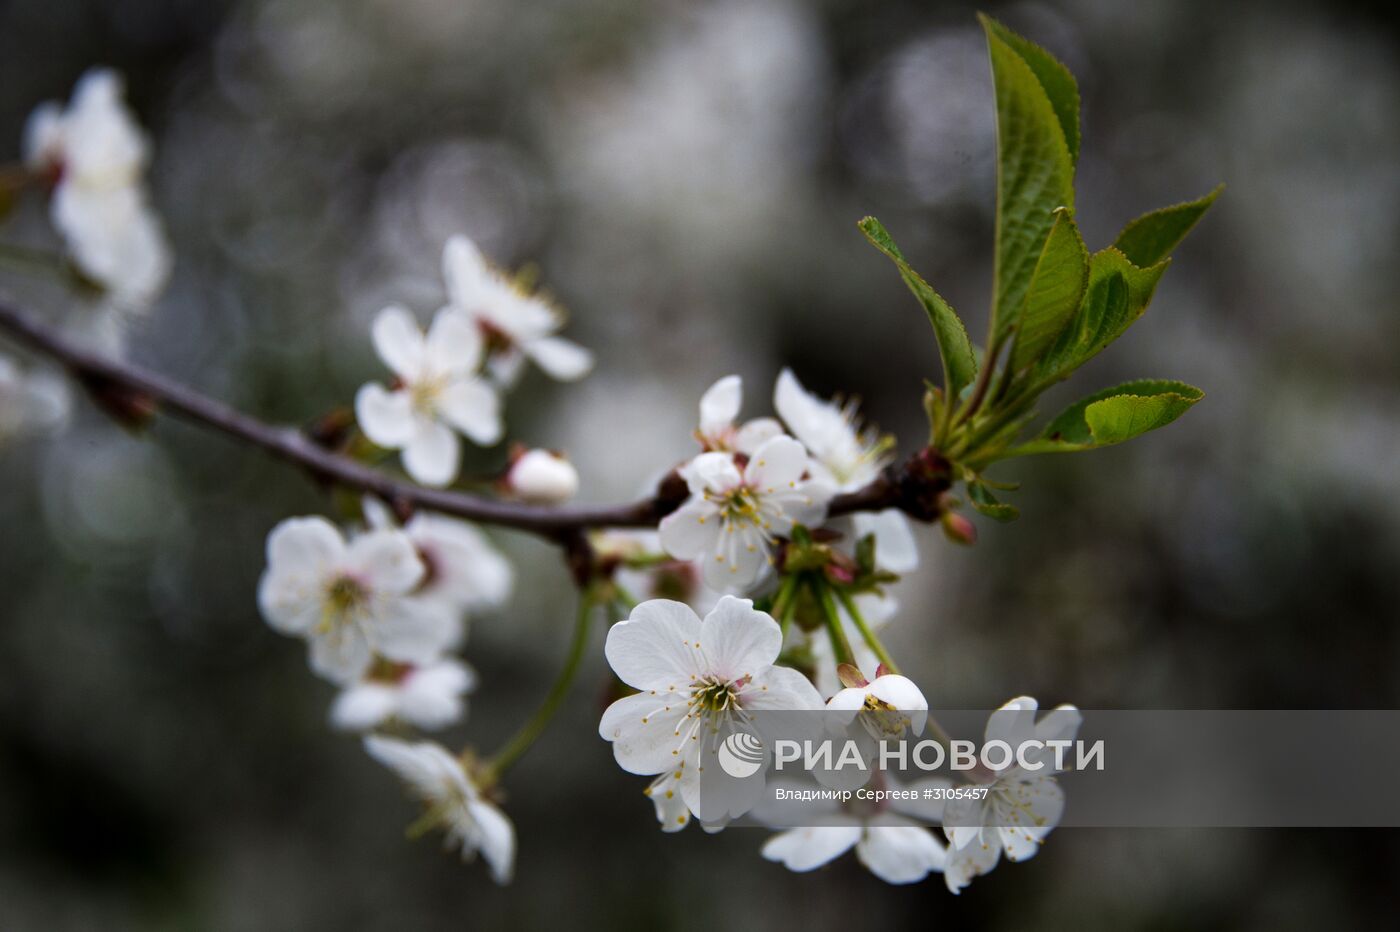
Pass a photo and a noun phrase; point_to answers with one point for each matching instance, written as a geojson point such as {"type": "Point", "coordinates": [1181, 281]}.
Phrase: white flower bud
{"type": "Point", "coordinates": [543, 477]}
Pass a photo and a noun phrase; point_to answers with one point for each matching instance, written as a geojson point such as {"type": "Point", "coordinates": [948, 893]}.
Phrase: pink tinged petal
{"type": "Point", "coordinates": [900, 853]}
{"type": "Point", "coordinates": [386, 561]}
{"type": "Point", "coordinates": [473, 407]}
{"type": "Point", "coordinates": [386, 417]}
{"type": "Point", "coordinates": [738, 641]}
{"type": "Point", "coordinates": [466, 272]}
{"type": "Point", "coordinates": [341, 654]}
{"type": "Point", "coordinates": [895, 547]}
{"type": "Point", "coordinates": [363, 706]}
{"type": "Point", "coordinates": [691, 531]}
{"type": "Point", "coordinates": [650, 732]}
{"type": "Point", "coordinates": [655, 647]}
{"type": "Point", "coordinates": [561, 359]}
{"type": "Point", "coordinates": [712, 472]}
{"type": "Point", "coordinates": [432, 454]}
{"type": "Point", "coordinates": [412, 630]}
{"type": "Point", "coordinates": [454, 344]}
{"type": "Point", "coordinates": [399, 342]}
{"type": "Point", "coordinates": [719, 406]}
{"type": "Point", "coordinates": [781, 688]}
{"type": "Point", "coordinates": [756, 433]}
{"type": "Point", "coordinates": [495, 837]}
{"type": "Point", "coordinates": [805, 849]}
{"type": "Point", "coordinates": [776, 465]}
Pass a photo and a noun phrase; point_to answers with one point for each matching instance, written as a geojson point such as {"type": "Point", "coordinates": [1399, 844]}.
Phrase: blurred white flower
{"type": "Point", "coordinates": [695, 679]}
{"type": "Point", "coordinates": [95, 154]}
{"type": "Point", "coordinates": [543, 477]}
{"type": "Point", "coordinates": [464, 571]}
{"type": "Point", "coordinates": [735, 513]}
{"type": "Point", "coordinates": [893, 848]}
{"type": "Point", "coordinates": [350, 601]}
{"type": "Point", "coordinates": [515, 322]}
{"type": "Point", "coordinates": [453, 803]}
{"type": "Point", "coordinates": [644, 571]}
{"type": "Point", "coordinates": [436, 391]}
{"type": "Point", "coordinates": [31, 401]}
{"type": "Point", "coordinates": [428, 696]}
{"type": "Point", "coordinates": [1021, 807]}
{"type": "Point", "coordinates": [719, 407]}
{"type": "Point", "coordinates": [850, 457]}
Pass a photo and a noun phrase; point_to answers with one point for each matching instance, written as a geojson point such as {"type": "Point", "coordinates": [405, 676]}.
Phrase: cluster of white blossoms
{"type": "Point", "coordinates": [94, 156]}
{"type": "Point", "coordinates": [449, 381]}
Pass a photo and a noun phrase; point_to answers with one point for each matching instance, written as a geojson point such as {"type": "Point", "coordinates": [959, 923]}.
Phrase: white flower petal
{"type": "Point", "coordinates": [385, 560]}
{"type": "Point", "coordinates": [454, 345]}
{"type": "Point", "coordinates": [737, 641]}
{"type": "Point", "coordinates": [712, 472]}
{"type": "Point", "coordinates": [341, 655]}
{"type": "Point", "coordinates": [413, 631]}
{"type": "Point", "coordinates": [473, 407]}
{"type": "Point", "coordinates": [496, 839]}
{"type": "Point", "coordinates": [899, 691]}
{"type": "Point", "coordinates": [805, 849]}
{"type": "Point", "coordinates": [719, 406]}
{"type": "Point", "coordinates": [776, 465]}
{"type": "Point", "coordinates": [561, 359]}
{"type": "Point", "coordinates": [895, 547]}
{"type": "Point", "coordinates": [646, 731]}
{"type": "Point", "coordinates": [900, 853]}
{"type": "Point", "coordinates": [363, 706]}
{"type": "Point", "coordinates": [781, 688]}
{"type": "Point", "coordinates": [386, 417]}
{"type": "Point", "coordinates": [432, 454]}
{"type": "Point", "coordinates": [466, 272]}
{"type": "Point", "coordinates": [755, 433]}
{"type": "Point", "coordinates": [399, 342]}
{"type": "Point", "coordinates": [691, 531]}
{"type": "Point", "coordinates": [655, 647]}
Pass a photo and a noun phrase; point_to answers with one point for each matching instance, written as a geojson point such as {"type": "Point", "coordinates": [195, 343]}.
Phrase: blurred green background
{"type": "Point", "coordinates": [687, 175]}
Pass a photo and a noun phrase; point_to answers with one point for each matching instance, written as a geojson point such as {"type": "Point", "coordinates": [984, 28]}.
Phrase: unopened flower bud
{"type": "Point", "coordinates": [543, 477]}
{"type": "Point", "coordinates": [958, 528]}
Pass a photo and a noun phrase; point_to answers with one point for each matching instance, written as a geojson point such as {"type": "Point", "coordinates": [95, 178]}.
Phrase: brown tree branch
{"type": "Point", "coordinates": [907, 487]}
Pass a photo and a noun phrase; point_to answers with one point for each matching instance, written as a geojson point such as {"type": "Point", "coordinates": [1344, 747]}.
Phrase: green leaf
{"type": "Point", "coordinates": [1056, 288]}
{"type": "Point", "coordinates": [1054, 77]}
{"type": "Point", "coordinates": [959, 365]}
{"type": "Point", "coordinates": [1116, 295]}
{"type": "Point", "coordinates": [985, 502]}
{"type": "Point", "coordinates": [1035, 167]}
{"type": "Point", "coordinates": [1150, 238]}
{"type": "Point", "coordinates": [1113, 416]}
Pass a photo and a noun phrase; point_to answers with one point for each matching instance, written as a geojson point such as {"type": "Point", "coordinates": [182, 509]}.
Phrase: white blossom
{"type": "Point", "coordinates": [542, 477]}
{"type": "Point", "coordinates": [719, 408]}
{"type": "Point", "coordinates": [428, 696]}
{"type": "Point", "coordinates": [644, 571]}
{"type": "Point", "coordinates": [516, 323]}
{"type": "Point", "coordinates": [351, 601]}
{"type": "Point", "coordinates": [849, 457]}
{"type": "Point", "coordinates": [736, 512]}
{"type": "Point", "coordinates": [436, 393]}
{"type": "Point", "coordinates": [886, 706]}
{"type": "Point", "coordinates": [453, 802]}
{"type": "Point", "coordinates": [1021, 806]}
{"type": "Point", "coordinates": [695, 680]}
{"type": "Point", "coordinates": [33, 401]}
{"type": "Point", "coordinates": [96, 156]}
{"type": "Point", "coordinates": [464, 571]}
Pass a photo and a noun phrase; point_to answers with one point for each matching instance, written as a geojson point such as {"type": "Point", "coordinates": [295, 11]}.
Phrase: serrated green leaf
{"type": "Point", "coordinates": [1055, 291]}
{"type": "Point", "coordinates": [1035, 170]}
{"type": "Point", "coordinates": [985, 502]}
{"type": "Point", "coordinates": [1116, 295]}
{"type": "Point", "coordinates": [1112, 416]}
{"type": "Point", "coordinates": [1054, 77]}
{"type": "Point", "coordinates": [959, 364]}
{"type": "Point", "coordinates": [1150, 238]}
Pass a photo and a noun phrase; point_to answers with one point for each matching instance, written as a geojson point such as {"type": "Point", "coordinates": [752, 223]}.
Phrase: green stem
{"type": "Point", "coordinates": [840, 646]}
{"type": "Point", "coordinates": [783, 602]}
{"type": "Point", "coordinates": [865, 631]}
{"type": "Point", "coordinates": [502, 760]}
{"type": "Point", "coordinates": [29, 261]}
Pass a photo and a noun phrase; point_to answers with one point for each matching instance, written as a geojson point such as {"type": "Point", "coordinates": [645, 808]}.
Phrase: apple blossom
{"type": "Point", "coordinates": [735, 512]}
{"type": "Point", "coordinates": [351, 601]}
{"type": "Point", "coordinates": [1021, 806]}
{"type": "Point", "coordinates": [516, 323]}
{"type": "Point", "coordinates": [850, 458]}
{"type": "Point", "coordinates": [436, 392]}
{"type": "Point", "coordinates": [542, 477]}
{"type": "Point", "coordinates": [95, 154]}
{"type": "Point", "coordinates": [695, 679]}
{"type": "Point", "coordinates": [428, 696]}
{"type": "Point", "coordinates": [453, 801]}
{"type": "Point", "coordinates": [719, 407]}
